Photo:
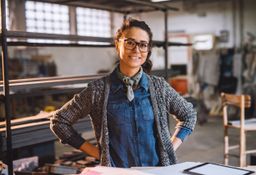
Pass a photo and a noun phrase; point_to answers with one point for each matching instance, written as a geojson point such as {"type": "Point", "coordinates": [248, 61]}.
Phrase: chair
{"type": "Point", "coordinates": [244, 125]}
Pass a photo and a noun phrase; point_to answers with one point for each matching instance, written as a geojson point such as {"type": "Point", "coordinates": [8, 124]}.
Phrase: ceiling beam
{"type": "Point", "coordinates": [77, 3]}
{"type": "Point", "coordinates": [157, 6]}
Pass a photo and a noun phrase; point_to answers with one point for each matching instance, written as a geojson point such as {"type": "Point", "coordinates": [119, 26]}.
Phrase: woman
{"type": "Point", "coordinates": [129, 109]}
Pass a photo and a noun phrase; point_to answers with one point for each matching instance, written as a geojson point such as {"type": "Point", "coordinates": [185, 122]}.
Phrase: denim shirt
{"type": "Point", "coordinates": [131, 126]}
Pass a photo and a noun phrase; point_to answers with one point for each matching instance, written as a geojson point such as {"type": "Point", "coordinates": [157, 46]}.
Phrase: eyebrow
{"type": "Point", "coordinates": [137, 41]}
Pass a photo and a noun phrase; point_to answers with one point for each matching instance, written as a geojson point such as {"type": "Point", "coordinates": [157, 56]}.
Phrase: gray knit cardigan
{"type": "Point", "coordinates": [92, 101]}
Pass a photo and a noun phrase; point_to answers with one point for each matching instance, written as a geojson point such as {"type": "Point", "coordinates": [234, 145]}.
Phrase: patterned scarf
{"type": "Point", "coordinates": [130, 82]}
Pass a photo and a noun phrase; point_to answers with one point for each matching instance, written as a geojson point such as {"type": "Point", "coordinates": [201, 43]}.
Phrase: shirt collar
{"type": "Point", "coordinates": [117, 84]}
{"type": "Point", "coordinates": [144, 81]}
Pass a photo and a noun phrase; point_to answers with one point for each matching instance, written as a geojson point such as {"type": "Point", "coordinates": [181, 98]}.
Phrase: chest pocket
{"type": "Point", "coordinates": [147, 110]}
{"type": "Point", "coordinates": [118, 113]}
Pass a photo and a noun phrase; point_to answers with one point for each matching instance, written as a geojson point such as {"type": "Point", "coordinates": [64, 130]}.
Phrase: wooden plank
{"type": "Point", "coordinates": [40, 116]}
{"type": "Point", "coordinates": [37, 132]}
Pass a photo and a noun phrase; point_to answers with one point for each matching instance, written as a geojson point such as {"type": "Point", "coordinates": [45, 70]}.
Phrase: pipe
{"type": "Point", "coordinates": [6, 88]}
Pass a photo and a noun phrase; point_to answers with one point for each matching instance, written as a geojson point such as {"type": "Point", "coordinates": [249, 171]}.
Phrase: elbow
{"type": "Point", "coordinates": [53, 126]}
{"type": "Point", "coordinates": [190, 120]}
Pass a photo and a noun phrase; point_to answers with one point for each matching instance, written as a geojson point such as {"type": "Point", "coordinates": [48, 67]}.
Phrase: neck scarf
{"type": "Point", "coordinates": [130, 82]}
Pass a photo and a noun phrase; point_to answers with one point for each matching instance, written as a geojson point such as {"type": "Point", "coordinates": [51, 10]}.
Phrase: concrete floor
{"type": "Point", "coordinates": [204, 145]}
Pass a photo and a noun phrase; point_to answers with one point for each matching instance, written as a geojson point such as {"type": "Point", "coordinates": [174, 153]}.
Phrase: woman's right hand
{"type": "Point", "coordinates": [90, 149]}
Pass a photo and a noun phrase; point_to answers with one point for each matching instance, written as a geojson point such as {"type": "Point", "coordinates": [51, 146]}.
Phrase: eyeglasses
{"type": "Point", "coordinates": [130, 44]}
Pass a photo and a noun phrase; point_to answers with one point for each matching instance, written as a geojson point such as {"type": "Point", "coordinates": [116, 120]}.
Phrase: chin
{"type": "Point", "coordinates": [135, 65]}
{"type": "Point", "coordinates": [132, 64]}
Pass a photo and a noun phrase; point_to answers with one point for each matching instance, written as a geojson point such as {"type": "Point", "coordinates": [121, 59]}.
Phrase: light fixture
{"type": "Point", "coordinates": [203, 41]}
{"type": "Point", "coordinates": [159, 0]}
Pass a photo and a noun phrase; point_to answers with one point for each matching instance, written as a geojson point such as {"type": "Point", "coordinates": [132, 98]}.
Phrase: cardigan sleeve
{"type": "Point", "coordinates": [63, 119]}
{"type": "Point", "coordinates": [182, 133]}
{"type": "Point", "coordinates": [182, 110]}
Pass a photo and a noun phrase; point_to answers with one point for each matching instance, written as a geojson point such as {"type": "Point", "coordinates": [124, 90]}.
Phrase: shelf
{"type": "Point", "coordinates": [37, 35]}
{"type": "Point", "coordinates": [32, 83]}
{"type": "Point", "coordinates": [43, 92]}
{"type": "Point", "coordinates": [103, 42]}
{"type": "Point", "coordinates": [34, 44]}
{"type": "Point", "coordinates": [29, 119]}
{"type": "Point", "coordinates": [35, 129]}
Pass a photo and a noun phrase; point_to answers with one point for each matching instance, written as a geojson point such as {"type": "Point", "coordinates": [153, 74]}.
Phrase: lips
{"type": "Point", "coordinates": [134, 57]}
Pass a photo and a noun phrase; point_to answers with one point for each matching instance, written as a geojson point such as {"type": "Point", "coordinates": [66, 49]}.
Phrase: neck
{"type": "Point", "coordinates": [129, 72]}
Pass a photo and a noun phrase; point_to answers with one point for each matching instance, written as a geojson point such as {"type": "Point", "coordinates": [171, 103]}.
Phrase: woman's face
{"type": "Point", "coordinates": [133, 48]}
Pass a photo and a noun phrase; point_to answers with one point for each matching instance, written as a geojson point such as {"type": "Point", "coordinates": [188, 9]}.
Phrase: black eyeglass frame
{"type": "Point", "coordinates": [135, 44]}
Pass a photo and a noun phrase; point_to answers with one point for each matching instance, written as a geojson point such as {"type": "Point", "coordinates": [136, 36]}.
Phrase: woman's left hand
{"type": "Point", "coordinates": [176, 142]}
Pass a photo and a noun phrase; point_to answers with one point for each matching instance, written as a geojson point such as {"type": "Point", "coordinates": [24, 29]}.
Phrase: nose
{"type": "Point", "coordinates": [137, 48]}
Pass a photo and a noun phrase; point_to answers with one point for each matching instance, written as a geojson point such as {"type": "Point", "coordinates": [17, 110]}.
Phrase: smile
{"type": "Point", "coordinates": [134, 57]}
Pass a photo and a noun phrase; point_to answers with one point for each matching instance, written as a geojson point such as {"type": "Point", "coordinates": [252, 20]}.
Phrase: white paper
{"type": "Point", "coordinates": [176, 169]}
{"type": "Point", "coordinates": [112, 171]}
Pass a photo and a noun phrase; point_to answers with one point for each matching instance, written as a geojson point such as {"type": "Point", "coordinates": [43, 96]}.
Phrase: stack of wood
{"type": "Point", "coordinates": [33, 130]}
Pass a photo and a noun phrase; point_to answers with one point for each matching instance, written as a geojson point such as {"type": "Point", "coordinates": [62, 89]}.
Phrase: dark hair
{"type": "Point", "coordinates": [129, 23]}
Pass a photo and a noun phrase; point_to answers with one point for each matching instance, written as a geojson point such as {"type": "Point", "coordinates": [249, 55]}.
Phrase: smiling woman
{"type": "Point", "coordinates": [131, 56]}
{"type": "Point", "coordinates": [129, 108]}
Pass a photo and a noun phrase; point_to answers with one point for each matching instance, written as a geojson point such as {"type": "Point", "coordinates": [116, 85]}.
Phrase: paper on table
{"type": "Point", "coordinates": [101, 170]}
{"type": "Point", "coordinates": [176, 169]}
{"type": "Point", "coordinates": [90, 172]}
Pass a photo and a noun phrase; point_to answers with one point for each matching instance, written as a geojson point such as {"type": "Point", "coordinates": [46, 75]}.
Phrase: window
{"type": "Point", "coordinates": [7, 17]}
{"type": "Point", "coordinates": [53, 18]}
{"type": "Point", "coordinates": [92, 22]}
{"type": "Point", "coordinates": [47, 18]}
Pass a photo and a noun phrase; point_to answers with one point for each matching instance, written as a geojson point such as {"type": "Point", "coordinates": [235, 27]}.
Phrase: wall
{"type": "Point", "coordinates": [249, 18]}
{"type": "Point", "coordinates": [211, 17]}
{"type": "Point", "coordinates": [81, 61]}
{"type": "Point", "coordinates": [207, 17]}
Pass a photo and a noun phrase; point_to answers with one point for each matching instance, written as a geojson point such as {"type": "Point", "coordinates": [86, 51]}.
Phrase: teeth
{"type": "Point", "coordinates": [135, 57]}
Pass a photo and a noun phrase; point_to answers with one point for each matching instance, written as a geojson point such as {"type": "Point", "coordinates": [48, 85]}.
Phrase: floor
{"type": "Point", "coordinates": [205, 144]}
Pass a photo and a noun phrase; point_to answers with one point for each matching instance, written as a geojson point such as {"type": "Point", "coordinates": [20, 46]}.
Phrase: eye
{"type": "Point", "coordinates": [130, 42]}
{"type": "Point", "coordinates": [143, 45]}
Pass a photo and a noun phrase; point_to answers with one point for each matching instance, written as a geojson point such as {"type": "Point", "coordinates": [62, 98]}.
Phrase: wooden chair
{"type": "Point", "coordinates": [244, 125]}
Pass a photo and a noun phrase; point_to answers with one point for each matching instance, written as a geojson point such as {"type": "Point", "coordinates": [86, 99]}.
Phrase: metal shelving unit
{"type": "Point", "coordinates": [125, 7]}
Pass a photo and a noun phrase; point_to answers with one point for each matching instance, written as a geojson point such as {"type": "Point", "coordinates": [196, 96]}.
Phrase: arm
{"type": "Point", "coordinates": [183, 112]}
{"type": "Point", "coordinates": [179, 136]}
{"type": "Point", "coordinates": [176, 142]}
{"type": "Point", "coordinates": [90, 149]}
{"type": "Point", "coordinates": [61, 122]}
